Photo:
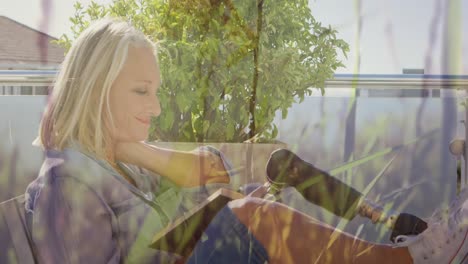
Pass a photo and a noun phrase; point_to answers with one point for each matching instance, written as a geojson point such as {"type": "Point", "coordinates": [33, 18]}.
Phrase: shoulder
{"type": "Point", "coordinates": [69, 170]}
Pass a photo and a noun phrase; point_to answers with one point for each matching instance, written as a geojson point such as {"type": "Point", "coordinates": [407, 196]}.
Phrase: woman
{"type": "Point", "coordinates": [105, 93]}
{"type": "Point", "coordinates": [89, 205]}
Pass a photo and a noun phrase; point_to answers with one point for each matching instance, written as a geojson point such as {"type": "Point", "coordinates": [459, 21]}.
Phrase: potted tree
{"type": "Point", "coordinates": [228, 67]}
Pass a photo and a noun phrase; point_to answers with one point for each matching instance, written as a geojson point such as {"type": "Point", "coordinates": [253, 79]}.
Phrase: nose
{"type": "Point", "coordinates": [153, 106]}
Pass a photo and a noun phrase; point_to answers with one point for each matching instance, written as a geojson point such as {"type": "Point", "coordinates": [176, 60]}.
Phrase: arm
{"type": "Point", "coordinates": [185, 168]}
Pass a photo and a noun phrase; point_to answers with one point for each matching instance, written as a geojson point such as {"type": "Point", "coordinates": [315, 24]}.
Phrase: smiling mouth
{"type": "Point", "coordinates": [144, 121]}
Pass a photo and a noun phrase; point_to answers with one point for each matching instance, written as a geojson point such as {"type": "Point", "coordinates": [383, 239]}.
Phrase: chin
{"type": "Point", "coordinates": [135, 138]}
{"type": "Point", "coordinates": [141, 138]}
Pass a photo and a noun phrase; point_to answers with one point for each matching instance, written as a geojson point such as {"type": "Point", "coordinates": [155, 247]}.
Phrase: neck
{"type": "Point", "coordinates": [110, 157]}
{"type": "Point", "coordinates": [110, 154]}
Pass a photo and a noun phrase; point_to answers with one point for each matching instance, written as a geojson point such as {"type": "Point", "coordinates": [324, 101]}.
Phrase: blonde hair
{"type": "Point", "coordinates": [80, 96]}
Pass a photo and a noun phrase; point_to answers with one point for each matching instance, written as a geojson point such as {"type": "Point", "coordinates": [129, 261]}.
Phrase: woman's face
{"type": "Point", "coordinates": [133, 100]}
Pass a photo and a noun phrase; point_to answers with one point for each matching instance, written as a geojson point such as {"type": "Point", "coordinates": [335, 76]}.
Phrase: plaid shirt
{"type": "Point", "coordinates": [85, 212]}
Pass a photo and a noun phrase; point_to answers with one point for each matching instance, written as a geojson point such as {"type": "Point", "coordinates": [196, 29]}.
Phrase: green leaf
{"type": "Point", "coordinates": [230, 130]}
{"type": "Point", "coordinates": [274, 133]}
{"type": "Point", "coordinates": [284, 113]}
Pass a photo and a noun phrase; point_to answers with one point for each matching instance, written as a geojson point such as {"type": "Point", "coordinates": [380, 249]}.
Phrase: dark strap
{"type": "Point", "coordinates": [16, 220]}
{"type": "Point", "coordinates": [28, 227]}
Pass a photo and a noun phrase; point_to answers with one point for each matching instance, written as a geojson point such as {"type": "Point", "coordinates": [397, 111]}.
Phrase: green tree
{"type": "Point", "coordinates": [227, 65]}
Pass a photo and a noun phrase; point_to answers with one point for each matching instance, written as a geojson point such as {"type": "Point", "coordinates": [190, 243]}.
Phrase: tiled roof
{"type": "Point", "coordinates": [23, 47]}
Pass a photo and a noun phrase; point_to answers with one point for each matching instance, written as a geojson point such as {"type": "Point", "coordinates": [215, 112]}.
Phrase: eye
{"type": "Point", "coordinates": [141, 91]}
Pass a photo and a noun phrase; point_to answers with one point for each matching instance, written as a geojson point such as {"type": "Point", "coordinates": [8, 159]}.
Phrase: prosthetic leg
{"type": "Point", "coordinates": [285, 168]}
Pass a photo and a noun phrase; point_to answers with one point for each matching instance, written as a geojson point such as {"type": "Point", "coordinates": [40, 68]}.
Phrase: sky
{"type": "Point", "coordinates": [395, 34]}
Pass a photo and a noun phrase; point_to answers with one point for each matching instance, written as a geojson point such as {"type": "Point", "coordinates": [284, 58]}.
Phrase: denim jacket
{"type": "Point", "coordinates": [83, 211]}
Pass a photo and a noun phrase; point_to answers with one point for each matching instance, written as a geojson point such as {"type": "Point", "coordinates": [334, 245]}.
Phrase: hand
{"type": "Point", "coordinates": [209, 168]}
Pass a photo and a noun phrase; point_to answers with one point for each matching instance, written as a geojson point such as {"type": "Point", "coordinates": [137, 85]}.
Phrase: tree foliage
{"type": "Point", "coordinates": [227, 65]}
